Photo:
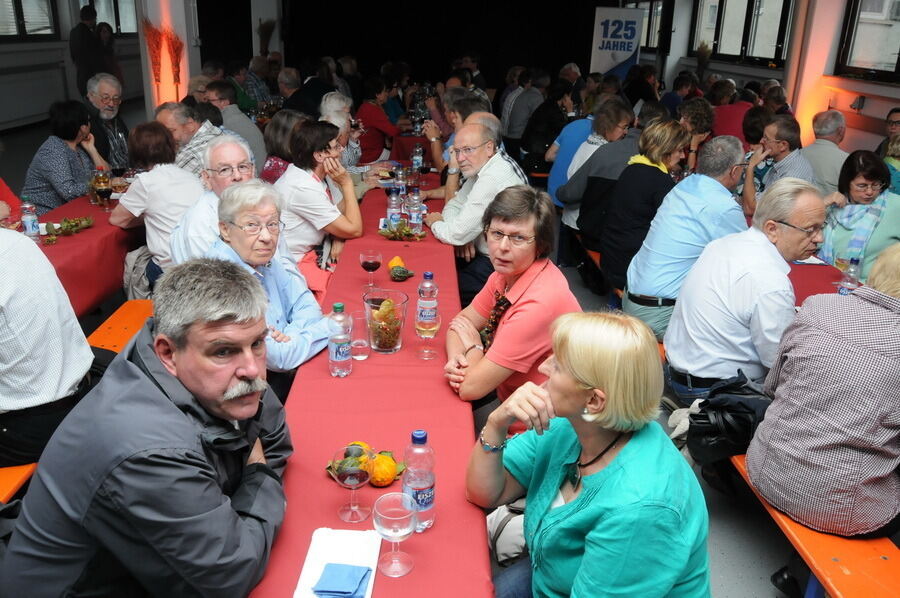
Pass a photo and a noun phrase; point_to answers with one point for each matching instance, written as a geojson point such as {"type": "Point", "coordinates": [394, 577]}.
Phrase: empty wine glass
{"type": "Point", "coordinates": [395, 521]}
{"type": "Point", "coordinates": [351, 467]}
{"type": "Point", "coordinates": [370, 260]}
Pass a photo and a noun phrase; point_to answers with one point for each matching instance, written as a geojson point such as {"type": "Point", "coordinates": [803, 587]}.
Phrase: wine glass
{"type": "Point", "coordinates": [395, 521]}
{"type": "Point", "coordinates": [370, 260]}
{"type": "Point", "coordinates": [351, 467]}
{"type": "Point", "coordinates": [427, 330]}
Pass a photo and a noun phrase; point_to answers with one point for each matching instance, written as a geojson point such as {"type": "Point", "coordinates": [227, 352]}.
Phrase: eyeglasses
{"type": "Point", "coordinates": [254, 228]}
{"type": "Point", "coordinates": [807, 231]}
{"type": "Point", "coordinates": [465, 151]}
{"type": "Point", "coordinates": [866, 186]}
{"type": "Point", "coordinates": [105, 99]}
{"type": "Point", "coordinates": [227, 171]}
{"type": "Point", "coordinates": [624, 127]}
{"type": "Point", "coordinates": [515, 239]}
{"type": "Point", "coordinates": [893, 123]}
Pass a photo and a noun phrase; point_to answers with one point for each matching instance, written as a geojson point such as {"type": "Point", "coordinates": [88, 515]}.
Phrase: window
{"type": "Point", "coordinates": [118, 13]}
{"type": "Point", "coordinates": [870, 41]}
{"type": "Point", "coordinates": [22, 20]}
{"type": "Point", "coordinates": [747, 31]}
{"type": "Point", "coordinates": [652, 20]}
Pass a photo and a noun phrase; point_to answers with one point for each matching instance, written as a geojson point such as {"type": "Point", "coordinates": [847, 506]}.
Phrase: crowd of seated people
{"type": "Point", "coordinates": [660, 188]}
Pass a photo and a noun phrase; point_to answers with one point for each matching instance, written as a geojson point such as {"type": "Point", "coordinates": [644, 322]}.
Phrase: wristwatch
{"type": "Point", "coordinates": [453, 171]}
{"type": "Point", "coordinates": [433, 139]}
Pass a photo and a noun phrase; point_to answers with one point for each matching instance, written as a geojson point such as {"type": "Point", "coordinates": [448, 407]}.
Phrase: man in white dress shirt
{"type": "Point", "coordinates": [487, 172]}
{"type": "Point", "coordinates": [44, 357]}
{"type": "Point", "coordinates": [737, 300]}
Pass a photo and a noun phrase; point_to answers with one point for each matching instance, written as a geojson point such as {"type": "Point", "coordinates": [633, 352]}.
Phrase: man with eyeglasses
{"type": "Point", "coordinates": [697, 211]}
{"type": "Point", "coordinates": [892, 127]}
{"type": "Point", "coordinates": [737, 300]}
{"type": "Point", "coordinates": [487, 172]}
{"type": "Point", "coordinates": [781, 142]}
{"type": "Point", "coordinates": [221, 95]}
{"type": "Point", "coordinates": [226, 163]}
{"type": "Point", "coordinates": [104, 94]}
{"type": "Point", "coordinates": [191, 134]}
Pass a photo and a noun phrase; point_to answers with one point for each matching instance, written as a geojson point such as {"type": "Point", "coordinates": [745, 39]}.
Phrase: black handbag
{"type": "Point", "coordinates": [726, 422]}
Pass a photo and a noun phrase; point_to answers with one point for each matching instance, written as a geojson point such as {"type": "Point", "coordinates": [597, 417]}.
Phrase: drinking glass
{"type": "Point", "coordinates": [351, 467]}
{"type": "Point", "coordinates": [395, 521]}
{"type": "Point", "coordinates": [370, 260]}
{"type": "Point", "coordinates": [359, 336]}
{"type": "Point", "coordinates": [427, 330]}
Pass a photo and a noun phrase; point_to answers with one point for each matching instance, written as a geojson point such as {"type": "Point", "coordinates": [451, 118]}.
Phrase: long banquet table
{"type": "Point", "coordinates": [90, 263]}
{"type": "Point", "coordinates": [381, 402]}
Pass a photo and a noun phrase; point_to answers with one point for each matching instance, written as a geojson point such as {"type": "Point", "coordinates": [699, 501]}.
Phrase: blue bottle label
{"type": "Point", "coordinates": [427, 314]}
{"type": "Point", "coordinates": [339, 351]}
{"type": "Point", "coordinates": [424, 497]}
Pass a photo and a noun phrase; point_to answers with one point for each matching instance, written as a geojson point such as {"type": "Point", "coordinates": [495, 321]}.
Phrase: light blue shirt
{"type": "Point", "coordinates": [292, 310]}
{"type": "Point", "coordinates": [447, 145]}
{"type": "Point", "coordinates": [696, 211]}
{"type": "Point", "coordinates": [570, 139]}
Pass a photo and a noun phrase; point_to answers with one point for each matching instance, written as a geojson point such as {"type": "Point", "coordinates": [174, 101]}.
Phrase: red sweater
{"type": "Point", "coordinates": [377, 126]}
{"type": "Point", "coordinates": [729, 120]}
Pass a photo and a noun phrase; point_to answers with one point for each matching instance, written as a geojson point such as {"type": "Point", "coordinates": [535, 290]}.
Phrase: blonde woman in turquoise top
{"type": "Point", "coordinates": [863, 215]}
{"type": "Point", "coordinates": [613, 509]}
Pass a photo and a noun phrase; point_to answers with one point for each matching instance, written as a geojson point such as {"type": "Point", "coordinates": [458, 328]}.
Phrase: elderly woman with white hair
{"type": "Point", "coordinates": [612, 506]}
{"type": "Point", "coordinates": [249, 228]}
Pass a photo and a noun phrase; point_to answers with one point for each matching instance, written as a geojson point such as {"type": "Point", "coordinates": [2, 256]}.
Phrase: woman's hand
{"type": "Point", "coordinates": [455, 371]}
{"type": "Point", "coordinates": [465, 330]}
{"type": "Point", "coordinates": [756, 157]}
{"type": "Point", "coordinates": [278, 336]}
{"type": "Point", "coordinates": [88, 143]}
{"type": "Point", "coordinates": [337, 247]}
{"type": "Point", "coordinates": [336, 171]}
{"type": "Point", "coordinates": [697, 139]}
{"type": "Point", "coordinates": [837, 199]}
{"type": "Point", "coordinates": [430, 130]}
{"type": "Point", "coordinates": [431, 103]}
{"type": "Point", "coordinates": [530, 404]}
{"type": "Point", "coordinates": [454, 159]}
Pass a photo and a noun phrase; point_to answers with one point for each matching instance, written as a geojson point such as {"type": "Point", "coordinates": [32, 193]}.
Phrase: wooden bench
{"type": "Point", "coordinates": [12, 478]}
{"type": "Point", "coordinates": [840, 567]}
{"type": "Point", "coordinates": [119, 328]}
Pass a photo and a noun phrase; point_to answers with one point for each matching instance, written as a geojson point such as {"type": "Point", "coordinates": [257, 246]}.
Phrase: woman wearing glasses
{"type": "Point", "coordinates": [612, 508]}
{"type": "Point", "coordinates": [249, 228]}
{"type": "Point", "coordinates": [497, 343]}
{"type": "Point", "coordinates": [159, 196]}
{"type": "Point", "coordinates": [868, 220]}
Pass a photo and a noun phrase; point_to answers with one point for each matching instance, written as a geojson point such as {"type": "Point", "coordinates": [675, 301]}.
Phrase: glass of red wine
{"type": "Point", "coordinates": [370, 260]}
{"type": "Point", "coordinates": [351, 467]}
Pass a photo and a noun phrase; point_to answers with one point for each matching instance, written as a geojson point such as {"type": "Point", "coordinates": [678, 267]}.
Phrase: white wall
{"type": "Point", "coordinates": [263, 10]}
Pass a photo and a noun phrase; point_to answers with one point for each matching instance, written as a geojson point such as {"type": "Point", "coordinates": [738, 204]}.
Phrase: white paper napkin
{"type": "Point", "coordinates": [348, 547]}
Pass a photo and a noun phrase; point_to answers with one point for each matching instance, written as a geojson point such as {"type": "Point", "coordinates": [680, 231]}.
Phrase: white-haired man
{"type": "Point", "coordinates": [191, 135]}
{"type": "Point", "coordinates": [172, 465]}
{"type": "Point", "coordinates": [104, 94]}
{"type": "Point", "coordinates": [824, 155]}
{"type": "Point", "coordinates": [737, 300]}
{"type": "Point", "coordinates": [487, 171]}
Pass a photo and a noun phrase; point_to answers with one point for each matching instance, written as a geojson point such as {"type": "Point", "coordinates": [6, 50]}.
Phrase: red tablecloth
{"type": "Point", "coordinates": [90, 264]}
{"type": "Point", "coordinates": [809, 279]}
{"type": "Point", "coordinates": [381, 402]}
{"type": "Point", "coordinates": [405, 144]}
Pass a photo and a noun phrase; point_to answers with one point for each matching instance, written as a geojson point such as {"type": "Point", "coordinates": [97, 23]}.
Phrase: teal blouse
{"type": "Point", "coordinates": [637, 528]}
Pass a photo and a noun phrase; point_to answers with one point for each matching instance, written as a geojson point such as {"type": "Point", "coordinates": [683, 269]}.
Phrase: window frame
{"type": "Point", "coordinates": [743, 58]}
{"type": "Point", "coordinates": [20, 35]}
{"type": "Point", "coordinates": [842, 67]}
{"type": "Point", "coordinates": [652, 21]}
{"type": "Point", "coordinates": [117, 32]}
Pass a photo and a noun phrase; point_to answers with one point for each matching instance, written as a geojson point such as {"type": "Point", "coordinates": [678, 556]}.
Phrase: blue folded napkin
{"type": "Point", "coordinates": [343, 581]}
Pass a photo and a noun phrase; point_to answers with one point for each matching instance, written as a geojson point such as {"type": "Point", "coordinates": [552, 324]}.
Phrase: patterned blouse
{"type": "Point", "coordinates": [273, 169]}
{"type": "Point", "coordinates": [56, 175]}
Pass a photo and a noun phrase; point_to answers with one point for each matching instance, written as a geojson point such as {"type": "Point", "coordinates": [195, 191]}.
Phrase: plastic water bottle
{"type": "Point", "coordinates": [418, 478]}
{"type": "Point", "coordinates": [850, 281]}
{"type": "Point", "coordinates": [418, 156]}
{"type": "Point", "coordinates": [393, 210]}
{"type": "Point", "coordinates": [400, 182]}
{"type": "Point", "coordinates": [417, 211]}
{"type": "Point", "coordinates": [339, 362]}
{"type": "Point", "coordinates": [30, 225]}
{"type": "Point", "coordinates": [426, 308]}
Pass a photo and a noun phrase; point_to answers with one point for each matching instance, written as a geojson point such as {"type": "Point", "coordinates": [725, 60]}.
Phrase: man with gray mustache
{"type": "Point", "coordinates": [164, 480]}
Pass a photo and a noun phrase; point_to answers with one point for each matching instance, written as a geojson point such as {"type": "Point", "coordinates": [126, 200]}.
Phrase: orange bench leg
{"type": "Point", "coordinates": [14, 477]}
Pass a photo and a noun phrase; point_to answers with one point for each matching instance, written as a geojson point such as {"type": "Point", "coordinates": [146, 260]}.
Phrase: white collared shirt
{"type": "Point", "coordinates": [733, 307]}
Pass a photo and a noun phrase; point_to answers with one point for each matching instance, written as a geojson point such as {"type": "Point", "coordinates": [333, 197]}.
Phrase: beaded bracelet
{"type": "Point", "coordinates": [491, 448]}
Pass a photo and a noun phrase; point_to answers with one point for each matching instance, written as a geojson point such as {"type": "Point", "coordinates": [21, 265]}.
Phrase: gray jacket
{"type": "Point", "coordinates": [607, 162]}
{"type": "Point", "coordinates": [142, 492]}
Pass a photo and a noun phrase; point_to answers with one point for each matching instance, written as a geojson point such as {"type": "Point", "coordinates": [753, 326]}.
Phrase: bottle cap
{"type": "Point", "coordinates": [419, 437]}
{"type": "Point", "coordinates": [338, 308]}
{"type": "Point", "coordinates": [854, 260]}
{"type": "Point", "coordinates": [428, 275]}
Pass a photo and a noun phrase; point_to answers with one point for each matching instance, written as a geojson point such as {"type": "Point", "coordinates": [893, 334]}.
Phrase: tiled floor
{"type": "Point", "coordinates": [745, 546]}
